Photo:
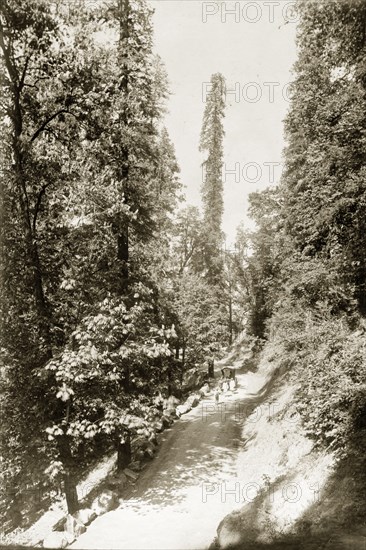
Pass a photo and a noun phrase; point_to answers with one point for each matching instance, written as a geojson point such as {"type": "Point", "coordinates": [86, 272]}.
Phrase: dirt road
{"type": "Point", "coordinates": [183, 494]}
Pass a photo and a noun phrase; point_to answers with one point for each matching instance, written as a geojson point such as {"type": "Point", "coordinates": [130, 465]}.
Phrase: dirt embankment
{"type": "Point", "coordinates": [291, 496]}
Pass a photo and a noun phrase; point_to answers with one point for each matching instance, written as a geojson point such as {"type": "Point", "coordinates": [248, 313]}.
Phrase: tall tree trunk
{"type": "Point", "coordinates": [42, 310]}
{"type": "Point", "coordinates": [33, 258]}
{"type": "Point", "coordinates": [123, 255]}
{"type": "Point", "coordinates": [123, 232]}
{"type": "Point", "coordinates": [69, 474]}
{"type": "Point", "coordinates": [170, 379]}
{"type": "Point", "coordinates": [29, 221]}
{"type": "Point", "coordinates": [361, 286]}
{"type": "Point", "coordinates": [230, 317]}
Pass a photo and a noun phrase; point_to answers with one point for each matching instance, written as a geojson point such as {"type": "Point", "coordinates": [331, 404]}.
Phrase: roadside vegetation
{"type": "Point", "coordinates": [113, 289]}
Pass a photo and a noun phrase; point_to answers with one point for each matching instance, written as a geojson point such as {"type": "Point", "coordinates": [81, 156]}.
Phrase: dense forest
{"type": "Point", "coordinates": [108, 295]}
{"type": "Point", "coordinates": [113, 288]}
{"type": "Point", "coordinates": [308, 268]}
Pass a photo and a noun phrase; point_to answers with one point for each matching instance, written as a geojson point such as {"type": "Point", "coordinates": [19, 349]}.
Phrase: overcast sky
{"type": "Point", "coordinates": [251, 46]}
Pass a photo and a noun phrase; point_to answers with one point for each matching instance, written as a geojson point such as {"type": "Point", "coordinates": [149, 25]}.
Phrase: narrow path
{"type": "Point", "coordinates": [182, 494]}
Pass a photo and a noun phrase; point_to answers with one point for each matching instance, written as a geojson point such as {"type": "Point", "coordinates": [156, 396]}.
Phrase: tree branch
{"type": "Point", "coordinates": [47, 121]}
{"type": "Point", "coordinates": [6, 51]}
{"type": "Point", "coordinates": [22, 79]}
{"type": "Point", "coordinates": [38, 205]}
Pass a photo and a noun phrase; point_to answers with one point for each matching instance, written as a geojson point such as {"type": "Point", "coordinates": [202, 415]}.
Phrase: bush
{"type": "Point", "coordinates": [328, 364]}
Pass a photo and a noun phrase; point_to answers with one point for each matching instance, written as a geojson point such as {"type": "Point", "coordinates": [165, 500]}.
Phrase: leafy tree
{"type": "Point", "coordinates": [44, 90]}
{"type": "Point", "coordinates": [258, 271]}
{"type": "Point", "coordinates": [202, 327]}
{"type": "Point", "coordinates": [199, 306]}
{"type": "Point", "coordinates": [235, 288]}
{"type": "Point", "coordinates": [188, 241]}
{"type": "Point", "coordinates": [314, 273]}
{"type": "Point", "coordinates": [324, 181]}
{"type": "Point", "coordinates": [87, 187]}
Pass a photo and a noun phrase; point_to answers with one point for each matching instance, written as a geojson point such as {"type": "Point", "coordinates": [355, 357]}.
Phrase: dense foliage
{"type": "Point", "coordinates": [305, 277]}
{"type": "Point", "coordinates": [97, 287]}
{"type": "Point", "coordinates": [110, 292]}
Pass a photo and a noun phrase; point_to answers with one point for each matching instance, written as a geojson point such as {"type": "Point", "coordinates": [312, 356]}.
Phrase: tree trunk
{"type": "Point", "coordinates": [230, 319]}
{"type": "Point", "coordinates": [124, 454]}
{"type": "Point", "coordinates": [123, 255]}
{"type": "Point", "coordinates": [123, 232]}
{"type": "Point", "coordinates": [30, 228]}
{"type": "Point", "coordinates": [183, 354]}
{"type": "Point", "coordinates": [170, 379]}
{"type": "Point", "coordinates": [69, 477]}
{"type": "Point", "coordinates": [71, 493]}
{"type": "Point", "coordinates": [361, 288]}
{"type": "Point", "coordinates": [43, 315]}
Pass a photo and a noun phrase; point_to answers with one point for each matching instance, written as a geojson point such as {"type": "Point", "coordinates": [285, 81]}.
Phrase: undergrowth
{"type": "Point", "coordinates": [326, 359]}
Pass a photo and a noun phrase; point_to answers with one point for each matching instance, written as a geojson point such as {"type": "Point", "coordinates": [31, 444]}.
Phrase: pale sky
{"type": "Point", "coordinates": [255, 51]}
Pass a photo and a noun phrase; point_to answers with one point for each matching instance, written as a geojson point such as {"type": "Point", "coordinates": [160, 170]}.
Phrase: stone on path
{"type": "Point", "coordinates": [58, 540]}
{"type": "Point", "coordinates": [130, 474]}
{"type": "Point", "coordinates": [192, 401]}
{"type": "Point", "coordinates": [182, 409]}
{"type": "Point", "coordinates": [105, 502]}
{"type": "Point", "coordinates": [74, 527]}
{"type": "Point", "coordinates": [85, 516]}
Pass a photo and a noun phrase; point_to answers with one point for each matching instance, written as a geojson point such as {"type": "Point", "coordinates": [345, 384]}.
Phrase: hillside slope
{"type": "Point", "coordinates": [292, 495]}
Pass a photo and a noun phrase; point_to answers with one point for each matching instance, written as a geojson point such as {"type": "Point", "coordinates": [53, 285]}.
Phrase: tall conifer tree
{"type": "Point", "coordinates": [211, 144]}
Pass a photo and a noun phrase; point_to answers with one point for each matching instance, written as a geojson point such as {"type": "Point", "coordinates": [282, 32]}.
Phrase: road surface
{"type": "Point", "coordinates": [183, 494]}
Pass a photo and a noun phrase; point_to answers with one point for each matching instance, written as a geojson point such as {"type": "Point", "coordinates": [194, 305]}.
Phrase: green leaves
{"type": "Point", "coordinates": [53, 432]}
{"type": "Point", "coordinates": [327, 147]}
{"type": "Point", "coordinates": [64, 393]}
{"type": "Point", "coordinates": [79, 112]}
{"type": "Point", "coordinates": [307, 269]}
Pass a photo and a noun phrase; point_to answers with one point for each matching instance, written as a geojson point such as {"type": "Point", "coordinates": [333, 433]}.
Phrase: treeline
{"type": "Point", "coordinates": [110, 289]}
{"type": "Point", "coordinates": [304, 284]}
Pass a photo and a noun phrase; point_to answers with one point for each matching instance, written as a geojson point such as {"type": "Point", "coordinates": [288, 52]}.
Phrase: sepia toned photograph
{"type": "Point", "coordinates": [183, 274]}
